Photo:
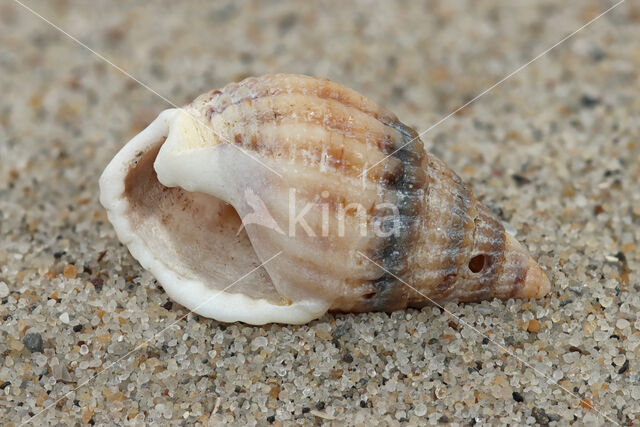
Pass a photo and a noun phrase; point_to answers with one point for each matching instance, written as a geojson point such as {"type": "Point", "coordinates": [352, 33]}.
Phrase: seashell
{"type": "Point", "coordinates": [281, 197]}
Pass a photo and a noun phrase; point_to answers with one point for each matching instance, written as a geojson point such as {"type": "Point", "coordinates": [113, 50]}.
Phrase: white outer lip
{"type": "Point", "coordinates": [195, 295]}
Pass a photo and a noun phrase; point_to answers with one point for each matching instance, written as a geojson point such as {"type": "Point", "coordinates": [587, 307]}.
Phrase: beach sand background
{"type": "Point", "coordinates": [553, 150]}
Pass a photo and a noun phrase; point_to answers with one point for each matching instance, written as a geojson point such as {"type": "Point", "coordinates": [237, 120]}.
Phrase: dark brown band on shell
{"type": "Point", "coordinates": [404, 178]}
{"type": "Point", "coordinates": [407, 182]}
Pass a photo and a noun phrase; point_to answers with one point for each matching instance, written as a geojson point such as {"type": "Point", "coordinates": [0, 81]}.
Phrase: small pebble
{"type": "Point", "coordinates": [589, 101]}
{"type": "Point", "coordinates": [624, 368]}
{"type": "Point", "coordinates": [33, 341]}
{"type": "Point", "coordinates": [70, 271]}
{"type": "Point", "coordinates": [520, 180]}
{"type": "Point", "coordinates": [258, 342]}
{"type": "Point", "coordinates": [274, 392]}
{"type": "Point", "coordinates": [64, 317]}
{"type": "Point", "coordinates": [420, 410]}
{"type": "Point", "coordinates": [60, 373]}
{"type": "Point", "coordinates": [517, 397]}
{"type": "Point", "coordinates": [606, 302]}
{"type": "Point", "coordinates": [622, 324]}
{"type": "Point", "coordinates": [540, 416]}
{"type": "Point", "coordinates": [78, 328]}
{"type": "Point", "coordinates": [4, 290]}
{"type": "Point", "coordinates": [586, 403]}
{"type": "Point", "coordinates": [534, 326]}
{"type": "Point", "coordinates": [611, 258]}
{"type": "Point", "coordinates": [97, 283]}
{"type": "Point", "coordinates": [339, 331]}
{"type": "Point", "coordinates": [440, 391]}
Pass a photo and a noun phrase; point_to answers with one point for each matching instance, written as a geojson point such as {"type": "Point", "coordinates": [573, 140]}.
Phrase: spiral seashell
{"type": "Point", "coordinates": [326, 199]}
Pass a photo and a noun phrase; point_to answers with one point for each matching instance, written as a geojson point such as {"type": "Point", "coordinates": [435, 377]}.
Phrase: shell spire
{"type": "Point", "coordinates": [332, 201]}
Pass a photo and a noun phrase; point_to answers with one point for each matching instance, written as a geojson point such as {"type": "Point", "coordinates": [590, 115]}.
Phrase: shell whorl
{"type": "Point", "coordinates": [296, 122]}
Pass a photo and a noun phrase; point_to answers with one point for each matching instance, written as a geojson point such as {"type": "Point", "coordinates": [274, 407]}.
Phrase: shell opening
{"type": "Point", "coordinates": [195, 234]}
{"type": "Point", "coordinates": [191, 239]}
{"type": "Point", "coordinates": [478, 263]}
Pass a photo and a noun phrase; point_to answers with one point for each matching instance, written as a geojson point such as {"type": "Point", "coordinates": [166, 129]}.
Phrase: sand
{"type": "Point", "coordinates": [553, 150]}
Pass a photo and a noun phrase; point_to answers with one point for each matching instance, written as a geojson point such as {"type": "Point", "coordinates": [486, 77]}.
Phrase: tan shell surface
{"type": "Point", "coordinates": [359, 168]}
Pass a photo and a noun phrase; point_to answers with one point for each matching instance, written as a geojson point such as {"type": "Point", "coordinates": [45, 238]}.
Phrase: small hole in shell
{"type": "Point", "coordinates": [369, 295]}
{"type": "Point", "coordinates": [477, 263]}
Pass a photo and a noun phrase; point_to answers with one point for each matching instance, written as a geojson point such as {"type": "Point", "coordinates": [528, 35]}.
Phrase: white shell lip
{"type": "Point", "coordinates": [199, 297]}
